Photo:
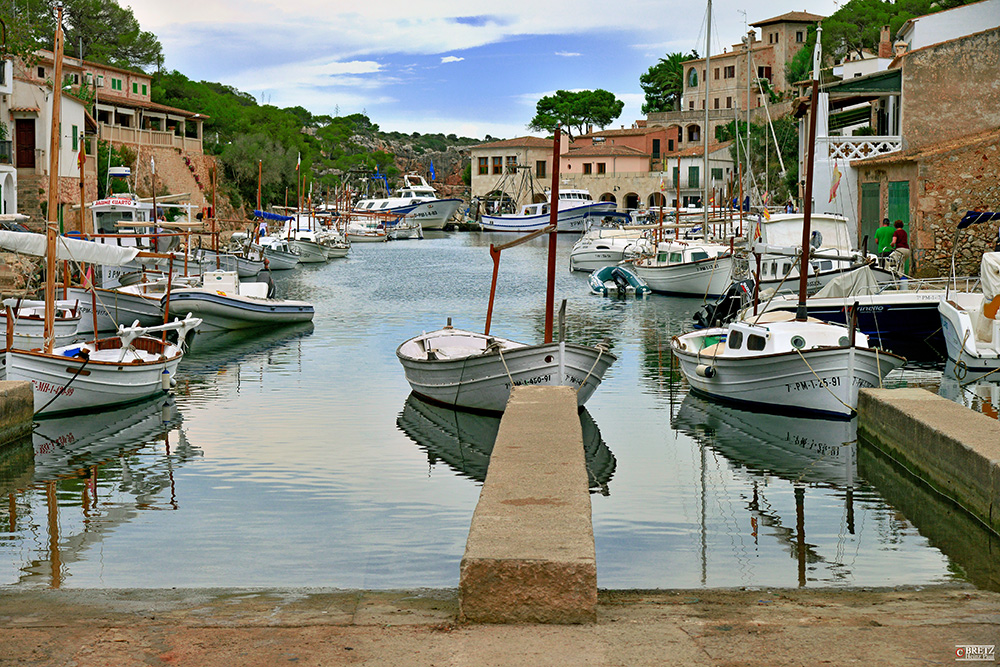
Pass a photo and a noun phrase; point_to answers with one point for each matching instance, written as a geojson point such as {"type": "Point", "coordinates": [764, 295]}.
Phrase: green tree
{"type": "Point", "coordinates": [576, 110]}
{"type": "Point", "coordinates": [108, 33]}
{"type": "Point", "coordinates": [663, 83]}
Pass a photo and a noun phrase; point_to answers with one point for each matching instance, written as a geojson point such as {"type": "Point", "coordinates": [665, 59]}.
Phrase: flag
{"type": "Point", "coordinates": [82, 158]}
{"type": "Point", "coordinates": [152, 164]}
{"type": "Point", "coordinates": [433, 177]}
{"type": "Point", "coordinates": [767, 214]}
{"type": "Point", "coordinates": [662, 186]}
{"type": "Point", "coordinates": [299, 163]}
{"type": "Point", "coordinates": [836, 181]}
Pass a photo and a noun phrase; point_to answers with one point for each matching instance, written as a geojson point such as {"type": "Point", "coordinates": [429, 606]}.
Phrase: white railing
{"type": "Point", "coordinates": [858, 148]}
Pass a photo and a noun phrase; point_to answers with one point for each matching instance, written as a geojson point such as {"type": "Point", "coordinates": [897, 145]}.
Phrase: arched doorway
{"type": "Point", "coordinates": [694, 132]}
{"type": "Point", "coordinates": [631, 201]}
{"type": "Point", "coordinates": [656, 199]}
{"type": "Point", "coordinates": [607, 196]}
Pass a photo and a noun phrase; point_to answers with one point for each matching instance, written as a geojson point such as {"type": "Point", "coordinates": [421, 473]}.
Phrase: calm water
{"type": "Point", "coordinates": [295, 458]}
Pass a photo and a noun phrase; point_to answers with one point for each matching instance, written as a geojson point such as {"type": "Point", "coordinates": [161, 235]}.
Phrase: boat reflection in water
{"type": "Point", "coordinates": [87, 476]}
{"type": "Point", "coordinates": [979, 391]}
{"type": "Point", "coordinates": [464, 440]}
{"type": "Point", "coordinates": [807, 453]}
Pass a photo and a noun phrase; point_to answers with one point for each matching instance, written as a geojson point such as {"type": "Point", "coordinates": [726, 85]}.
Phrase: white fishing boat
{"type": "Point", "coordinates": [784, 366]}
{"type": "Point", "coordinates": [970, 322]}
{"type": "Point", "coordinates": [687, 268]}
{"type": "Point", "coordinates": [278, 252]}
{"type": "Point", "coordinates": [577, 210]}
{"type": "Point", "coordinates": [780, 364]}
{"type": "Point", "coordinates": [366, 229]}
{"type": "Point", "coordinates": [417, 200]}
{"type": "Point", "coordinates": [29, 322]}
{"type": "Point", "coordinates": [604, 246]}
{"type": "Point", "coordinates": [475, 371]}
{"type": "Point", "coordinates": [225, 303]}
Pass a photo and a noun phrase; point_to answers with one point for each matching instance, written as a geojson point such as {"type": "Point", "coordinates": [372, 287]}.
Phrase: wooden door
{"type": "Point", "coordinates": [869, 214]}
{"type": "Point", "coordinates": [24, 140]}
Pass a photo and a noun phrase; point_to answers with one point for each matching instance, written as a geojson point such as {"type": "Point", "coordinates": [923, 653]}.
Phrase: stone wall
{"type": "Point", "coordinates": [950, 90]}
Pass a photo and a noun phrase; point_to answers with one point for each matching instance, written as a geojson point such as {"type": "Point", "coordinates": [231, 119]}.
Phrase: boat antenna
{"type": "Point", "coordinates": [800, 311]}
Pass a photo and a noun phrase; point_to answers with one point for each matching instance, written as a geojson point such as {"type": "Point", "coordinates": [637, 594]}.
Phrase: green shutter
{"type": "Point", "coordinates": [899, 203]}
{"type": "Point", "coordinates": [693, 177]}
{"type": "Point", "coordinates": [76, 139]}
{"type": "Point", "coordinates": [143, 89]}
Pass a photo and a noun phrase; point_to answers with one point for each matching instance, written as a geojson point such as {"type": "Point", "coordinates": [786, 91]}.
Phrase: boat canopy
{"type": "Point", "coordinates": [273, 216]}
{"type": "Point", "coordinates": [67, 249]}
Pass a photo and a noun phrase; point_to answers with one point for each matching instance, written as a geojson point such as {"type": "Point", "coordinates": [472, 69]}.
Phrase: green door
{"type": "Point", "coordinates": [899, 203]}
{"type": "Point", "coordinates": [869, 214]}
{"type": "Point", "coordinates": [899, 209]}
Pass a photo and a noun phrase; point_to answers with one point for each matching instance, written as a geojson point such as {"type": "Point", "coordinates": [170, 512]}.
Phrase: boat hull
{"type": "Point", "coordinates": [964, 350]}
{"type": "Point", "coordinates": [482, 382]}
{"type": "Point", "coordinates": [818, 382]}
{"type": "Point", "coordinates": [115, 308]}
{"type": "Point", "coordinates": [227, 312]}
{"type": "Point", "coordinates": [99, 384]}
{"type": "Point", "coordinates": [703, 278]}
{"type": "Point", "coordinates": [309, 252]}
{"type": "Point", "coordinates": [434, 214]}
{"type": "Point", "coordinates": [574, 219]}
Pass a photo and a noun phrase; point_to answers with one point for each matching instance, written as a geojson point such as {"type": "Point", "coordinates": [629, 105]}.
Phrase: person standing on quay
{"type": "Point", "coordinates": [901, 245]}
{"type": "Point", "coordinates": [883, 239]}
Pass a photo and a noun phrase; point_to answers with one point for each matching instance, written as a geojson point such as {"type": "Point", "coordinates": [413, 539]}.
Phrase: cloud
{"type": "Point", "coordinates": [451, 59]}
{"type": "Point", "coordinates": [568, 54]}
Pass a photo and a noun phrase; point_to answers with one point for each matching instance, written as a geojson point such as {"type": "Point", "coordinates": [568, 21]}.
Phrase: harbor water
{"type": "Point", "coordinates": [296, 458]}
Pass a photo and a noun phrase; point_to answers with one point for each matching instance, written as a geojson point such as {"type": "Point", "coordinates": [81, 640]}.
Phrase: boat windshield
{"type": "Point", "coordinates": [106, 220]}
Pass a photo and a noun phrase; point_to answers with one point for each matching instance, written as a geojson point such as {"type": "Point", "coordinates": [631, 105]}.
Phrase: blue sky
{"type": "Point", "coordinates": [468, 68]}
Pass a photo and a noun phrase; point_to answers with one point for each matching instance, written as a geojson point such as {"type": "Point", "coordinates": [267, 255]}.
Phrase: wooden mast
{"type": "Point", "coordinates": [800, 311]}
{"type": "Point", "coordinates": [52, 225]}
{"type": "Point", "coordinates": [550, 286]}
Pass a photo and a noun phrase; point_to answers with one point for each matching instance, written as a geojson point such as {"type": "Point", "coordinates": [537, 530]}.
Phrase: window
{"type": "Point", "coordinates": [693, 177]}
{"type": "Point", "coordinates": [135, 88]}
{"type": "Point", "coordinates": [511, 163]}
{"type": "Point", "coordinates": [716, 103]}
{"type": "Point", "coordinates": [41, 72]}
{"type": "Point", "coordinates": [602, 168]}
{"type": "Point", "coordinates": [799, 37]}
{"type": "Point", "coordinates": [755, 342]}
{"type": "Point", "coordinates": [676, 176]}
{"type": "Point", "coordinates": [692, 78]}
{"type": "Point", "coordinates": [76, 138]}
{"type": "Point", "coordinates": [764, 73]}
{"type": "Point", "coordinates": [670, 145]}
{"type": "Point", "coordinates": [484, 166]}
{"type": "Point", "coordinates": [729, 102]}
{"type": "Point", "coordinates": [144, 89]}
{"type": "Point", "coordinates": [716, 174]}
{"type": "Point", "coordinates": [730, 72]}
{"type": "Point", "coordinates": [540, 169]}
{"type": "Point", "coordinates": [735, 339]}
{"type": "Point", "coordinates": [497, 164]}
{"type": "Point", "coordinates": [694, 133]}
{"type": "Point", "coordinates": [75, 78]}
{"type": "Point", "coordinates": [716, 73]}
{"type": "Point", "coordinates": [587, 168]}
{"type": "Point", "coordinates": [100, 80]}
{"type": "Point", "coordinates": [691, 105]}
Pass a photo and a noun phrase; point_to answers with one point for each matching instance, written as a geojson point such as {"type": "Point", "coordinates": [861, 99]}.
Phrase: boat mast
{"type": "Point", "coordinates": [550, 286]}
{"type": "Point", "coordinates": [800, 311]}
{"type": "Point", "coordinates": [708, 58]}
{"type": "Point", "coordinates": [52, 225]}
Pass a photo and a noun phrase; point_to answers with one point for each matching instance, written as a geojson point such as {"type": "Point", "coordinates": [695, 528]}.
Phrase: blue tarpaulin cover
{"type": "Point", "coordinates": [976, 217]}
{"type": "Point", "coordinates": [273, 216]}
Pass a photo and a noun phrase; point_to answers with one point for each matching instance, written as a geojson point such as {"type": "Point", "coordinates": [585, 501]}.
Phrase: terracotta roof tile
{"type": "Point", "coordinates": [519, 142]}
{"type": "Point", "coordinates": [601, 150]}
{"type": "Point", "coordinates": [791, 17]}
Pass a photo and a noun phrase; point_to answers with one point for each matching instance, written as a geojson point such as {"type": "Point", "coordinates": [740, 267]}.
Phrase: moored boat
{"type": "Point", "coordinates": [576, 210]}
{"type": "Point", "coordinates": [687, 268]}
{"type": "Point", "coordinates": [617, 281]}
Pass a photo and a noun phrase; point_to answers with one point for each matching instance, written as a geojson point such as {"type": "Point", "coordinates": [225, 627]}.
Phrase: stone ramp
{"type": "Point", "coordinates": [530, 556]}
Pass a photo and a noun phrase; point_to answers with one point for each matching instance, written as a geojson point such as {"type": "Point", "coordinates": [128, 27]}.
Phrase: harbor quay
{"type": "Point", "coordinates": [527, 596]}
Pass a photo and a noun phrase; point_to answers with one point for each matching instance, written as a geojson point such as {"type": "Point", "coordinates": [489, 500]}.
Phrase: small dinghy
{"type": "Point", "coordinates": [618, 281]}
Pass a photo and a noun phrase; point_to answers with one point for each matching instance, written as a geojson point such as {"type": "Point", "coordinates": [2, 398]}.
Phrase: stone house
{"type": "Point", "coordinates": [502, 166]}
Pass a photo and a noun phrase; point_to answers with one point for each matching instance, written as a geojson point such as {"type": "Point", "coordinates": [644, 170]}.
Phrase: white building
{"type": "Point", "coordinates": [8, 173]}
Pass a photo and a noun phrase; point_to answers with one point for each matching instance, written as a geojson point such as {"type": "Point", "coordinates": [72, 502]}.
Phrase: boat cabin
{"type": "Point", "coordinates": [683, 253]}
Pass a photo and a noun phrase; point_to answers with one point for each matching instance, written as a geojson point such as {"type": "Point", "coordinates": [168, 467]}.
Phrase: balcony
{"type": "Point", "coordinates": [858, 148]}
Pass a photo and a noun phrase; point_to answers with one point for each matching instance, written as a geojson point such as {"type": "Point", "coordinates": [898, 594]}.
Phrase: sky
{"type": "Point", "coordinates": [466, 68]}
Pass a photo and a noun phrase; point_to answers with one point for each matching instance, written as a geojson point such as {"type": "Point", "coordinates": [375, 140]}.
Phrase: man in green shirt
{"type": "Point", "coordinates": [883, 237]}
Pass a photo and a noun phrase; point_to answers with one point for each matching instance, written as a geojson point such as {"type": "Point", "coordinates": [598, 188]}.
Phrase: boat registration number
{"type": "Point", "coordinates": [49, 388]}
{"type": "Point", "coordinates": [538, 379]}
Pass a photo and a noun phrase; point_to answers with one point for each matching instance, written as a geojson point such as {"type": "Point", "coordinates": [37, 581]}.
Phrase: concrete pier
{"type": "Point", "coordinates": [17, 406]}
{"type": "Point", "coordinates": [952, 448]}
{"type": "Point", "coordinates": [530, 555]}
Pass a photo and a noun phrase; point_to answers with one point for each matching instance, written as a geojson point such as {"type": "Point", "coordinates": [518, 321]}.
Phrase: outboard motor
{"type": "Point", "coordinates": [727, 306]}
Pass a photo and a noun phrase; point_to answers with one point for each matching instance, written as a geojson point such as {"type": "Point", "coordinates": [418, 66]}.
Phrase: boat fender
{"type": "Point", "coordinates": [704, 371]}
{"type": "Point", "coordinates": [165, 379]}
